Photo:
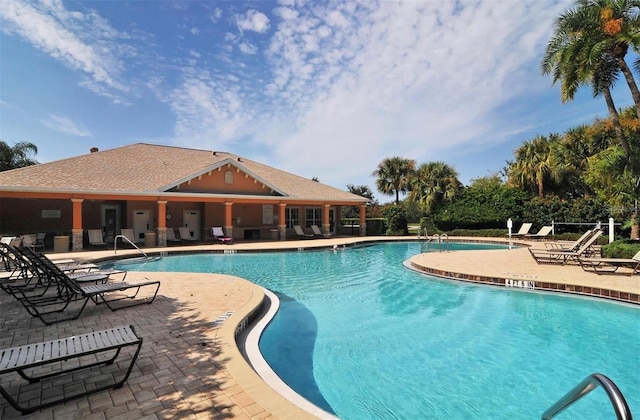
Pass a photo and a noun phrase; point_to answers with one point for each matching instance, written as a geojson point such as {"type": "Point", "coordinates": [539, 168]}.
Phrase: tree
{"type": "Point", "coordinates": [17, 156]}
{"type": "Point", "coordinates": [533, 166]}
{"type": "Point", "coordinates": [393, 175]}
{"type": "Point", "coordinates": [362, 191]}
{"type": "Point", "coordinates": [433, 184]}
{"type": "Point", "coordinates": [596, 34]}
{"type": "Point", "coordinates": [588, 47]}
{"type": "Point", "coordinates": [612, 180]}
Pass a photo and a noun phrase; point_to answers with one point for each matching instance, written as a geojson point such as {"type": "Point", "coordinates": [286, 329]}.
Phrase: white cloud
{"type": "Point", "coordinates": [253, 20]}
{"type": "Point", "coordinates": [64, 124]}
{"type": "Point", "coordinates": [247, 48]}
{"type": "Point", "coordinates": [80, 41]}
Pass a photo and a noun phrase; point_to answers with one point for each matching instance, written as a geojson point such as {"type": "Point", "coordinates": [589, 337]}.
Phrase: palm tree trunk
{"type": "Point", "coordinates": [633, 87]}
{"type": "Point", "coordinates": [616, 122]}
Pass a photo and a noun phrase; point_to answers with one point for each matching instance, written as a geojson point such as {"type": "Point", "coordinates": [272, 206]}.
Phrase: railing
{"type": "Point", "coordinates": [115, 245]}
{"type": "Point", "coordinates": [590, 383]}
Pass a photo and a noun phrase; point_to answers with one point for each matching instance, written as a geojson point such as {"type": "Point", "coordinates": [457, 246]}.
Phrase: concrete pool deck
{"type": "Point", "coordinates": [190, 366]}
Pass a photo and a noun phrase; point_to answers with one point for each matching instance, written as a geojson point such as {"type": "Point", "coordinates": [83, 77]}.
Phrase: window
{"type": "Point", "coordinates": [314, 217]}
{"type": "Point", "coordinates": [228, 177]}
{"type": "Point", "coordinates": [292, 216]}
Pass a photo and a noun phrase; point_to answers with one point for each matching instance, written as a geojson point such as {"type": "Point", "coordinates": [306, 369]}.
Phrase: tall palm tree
{"type": "Point", "coordinates": [533, 166]}
{"type": "Point", "coordinates": [17, 156]}
{"type": "Point", "coordinates": [433, 184]}
{"type": "Point", "coordinates": [393, 175]}
{"type": "Point", "coordinates": [595, 31]}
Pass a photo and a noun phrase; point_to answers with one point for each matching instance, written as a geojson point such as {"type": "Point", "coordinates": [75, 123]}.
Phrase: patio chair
{"type": "Point", "coordinates": [128, 233]}
{"type": "Point", "coordinates": [541, 234]}
{"type": "Point", "coordinates": [301, 233]}
{"type": "Point", "coordinates": [611, 265]}
{"type": "Point", "coordinates": [316, 231]}
{"type": "Point", "coordinates": [572, 246]}
{"type": "Point", "coordinates": [95, 238]}
{"type": "Point", "coordinates": [68, 290]}
{"type": "Point", "coordinates": [524, 230]}
{"type": "Point", "coordinates": [218, 235]}
{"type": "Point", "coordinates": [185, 234]}
{"type": "Point", "coordinates": [171, 235]}
{"type": "Point", "coordinates": [560, 256]}
{"type": "Point", "coordinates": [55, 353]}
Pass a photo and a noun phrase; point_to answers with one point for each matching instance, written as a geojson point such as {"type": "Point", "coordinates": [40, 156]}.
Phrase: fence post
{"type": "Point", "coordinates": [611, 229]}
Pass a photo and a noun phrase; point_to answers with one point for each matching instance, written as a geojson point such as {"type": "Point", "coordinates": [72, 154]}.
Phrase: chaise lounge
{"type": "Point", "coordinates": [562, 256]}
{"type": "Point", "coordinates": [219, 235]}
{"type": "Point", "coordinates": [611, 265]}
{"type": "Point", "coordinates": [55, 353]}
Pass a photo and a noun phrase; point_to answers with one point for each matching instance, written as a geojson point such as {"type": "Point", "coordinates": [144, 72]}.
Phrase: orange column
{"type": "Point", "coordinates": [162, 223]}
{"type": "Point", "coordinates": [162, 214]}
{"type": "Point", "coordinates": [228, 219]}
{"type": "Point", "coordinates": [282, 221]}
{"type": "Point", "coordinates": [326, 224]}
{"type": "Point", "coordinates": [363, 220]}
{"type": "Point", "coordinates": [76, 225]}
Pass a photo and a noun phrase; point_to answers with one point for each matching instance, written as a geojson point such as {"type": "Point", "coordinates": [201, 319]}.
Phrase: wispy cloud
{"type": "Point", "coordinates": [65, 125]}
{"type": "Point", "coordinates": [360, 81]}
{"type": "Point", "coordinates": [81, 41]}
{"type": "Point", "coordinates": [254, 21]}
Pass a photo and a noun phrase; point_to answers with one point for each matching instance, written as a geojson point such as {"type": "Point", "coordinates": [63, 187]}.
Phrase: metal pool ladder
{"type": "Point", "coordinates": [590, 383]}
{"type": "Point", "coordinates": [115, 245]}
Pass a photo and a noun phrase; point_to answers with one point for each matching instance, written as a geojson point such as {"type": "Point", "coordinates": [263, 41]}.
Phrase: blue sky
{"type": "Point", "coordinates": [320, 89]}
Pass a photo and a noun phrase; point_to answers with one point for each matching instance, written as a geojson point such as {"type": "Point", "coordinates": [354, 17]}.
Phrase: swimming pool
{"type": "Point", "coordinates": [363, 337]}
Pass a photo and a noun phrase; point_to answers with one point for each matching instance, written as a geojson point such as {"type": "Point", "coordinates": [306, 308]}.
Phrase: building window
{"type": "Point", "coordinates": [292, 216]}
{"type": "Point", "coordinates": [314, 216]}
{"type": "Point", "coordinates": [228, 177]}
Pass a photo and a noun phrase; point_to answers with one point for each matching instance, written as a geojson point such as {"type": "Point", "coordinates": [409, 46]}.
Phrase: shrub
{"type": "Point", "coordinates": [626, 248]}
{"type": "Point", "coordinates": [396, 218]}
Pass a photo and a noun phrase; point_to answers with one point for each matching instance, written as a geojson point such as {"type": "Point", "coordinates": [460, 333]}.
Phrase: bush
{"type": "Point", "coordinates": [396, 218]}
{"type": "Point", "coordinates": [626, 248]}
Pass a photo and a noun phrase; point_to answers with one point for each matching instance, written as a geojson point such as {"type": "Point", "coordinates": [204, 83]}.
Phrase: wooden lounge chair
{"type": "Point", "coordinates": [542, 233]}
{"type": "Point", "coordinates": [316, 231]}
{"type": "Point", "coordinates": [185, 234]}
{"type": "Point", "coordinates": [301, 233]}
{"type": "Point", "coordinates": [611, 265]}
{"type": "Point", "coordinates": [22, 360]}
{"type": "Point", "coordinates": [95, 238]}
{"type": "Point", "coordinates": [560, 256]}
{"type": "Point", "coordinates": [524, 230]}
{"type": "Point", "coordinates": [218, 235]}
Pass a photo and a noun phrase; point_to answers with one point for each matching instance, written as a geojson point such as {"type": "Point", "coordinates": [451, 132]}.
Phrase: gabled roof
{"type": "Point", "coordinates": [146, 168]}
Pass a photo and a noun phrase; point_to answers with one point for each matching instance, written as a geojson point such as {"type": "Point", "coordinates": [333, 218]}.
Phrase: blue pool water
{"type": "Point", "coordinates": [363, 337]}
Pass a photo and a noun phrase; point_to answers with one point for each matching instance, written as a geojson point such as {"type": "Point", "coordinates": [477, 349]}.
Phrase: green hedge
{"type": "Point", "coordinates": [626, 248]}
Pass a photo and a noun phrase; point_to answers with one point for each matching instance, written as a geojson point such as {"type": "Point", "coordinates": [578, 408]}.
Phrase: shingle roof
{"type": "Point", "coordinates": [144, 168]}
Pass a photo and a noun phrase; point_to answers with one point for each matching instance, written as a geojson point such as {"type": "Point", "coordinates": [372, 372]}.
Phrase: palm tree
{"type": "Point", "coordinates": [593, 33]}
{"type": "Point", "coordinates": [434, 183]}
{"type": "Point", "coordinates": [17, 156]}
{"type": "Point", "coordinates": [393, 175]}
{"type": "Point", "coordinates": [533, 166]}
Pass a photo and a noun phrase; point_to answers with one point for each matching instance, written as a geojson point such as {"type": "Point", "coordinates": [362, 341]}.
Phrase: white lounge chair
{"type": "Point", "coordinates": [524, 230]}
{"type": "Point", "coordinates": [611, 265]}
{"type": "Point", "coordinates": [185, 234]}
{"type": "Point", "coordinates": [542, 233]}
{"type": "Point", "coordinates": [219, 235]}
{"type": "Point", "coordinates": [95, 238]}
{"type": "Point", "coordinates": [301, 233]}
{"type": "Point", "coordinates": [171, 235]}
{"type": "Point", "coordinates": [128, 233]}
{"type": "Point", "coordinates": [316, 231]}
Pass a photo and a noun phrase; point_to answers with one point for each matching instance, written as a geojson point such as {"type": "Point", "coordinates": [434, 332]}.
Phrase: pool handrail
{"type": "Point", "coordinates": [115, 245]}
{"type": "Point", "coordinates": [587, 385]}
